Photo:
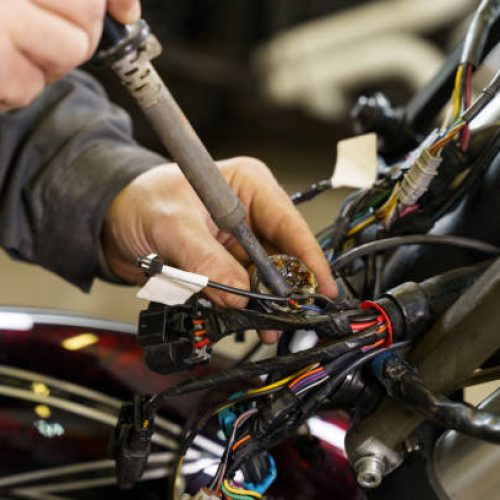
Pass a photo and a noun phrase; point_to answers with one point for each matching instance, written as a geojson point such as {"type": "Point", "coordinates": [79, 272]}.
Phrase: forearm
{"type": "Point", "coordinates": [63, 160]}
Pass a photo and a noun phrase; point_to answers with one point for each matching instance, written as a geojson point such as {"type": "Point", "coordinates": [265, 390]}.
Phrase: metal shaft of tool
{"type": "Point", "coordinates": [176, 133]}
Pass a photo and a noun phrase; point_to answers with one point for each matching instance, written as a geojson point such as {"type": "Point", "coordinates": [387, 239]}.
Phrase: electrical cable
{"type": "Point", "coordinates": [478, 31]}
{"type": "Point", "coordinates": [484, 98]}
{"type": "Point", "coordinates": [246, 293]}
{"type": "Point", "coordinates": [478, 167]}
{"type": "Point", "coordinates": [482, 376]}
{"type": "Point", "coordinates": [313, 191]}
{"type": "Point", "coordinates": [404, 384]}
{"type": "Point", "coordinates": [219, 475]}
{"type": "Point", "coordinates": [252, 351]}
{"type": "Point", "coordinates": [313, 402]}
{"type": "Point", "coordinates": [288, 362]}
{"type": "Point", "coordinates": [387, 244]}
{"type": "Point", "coordinates": [266, 296]}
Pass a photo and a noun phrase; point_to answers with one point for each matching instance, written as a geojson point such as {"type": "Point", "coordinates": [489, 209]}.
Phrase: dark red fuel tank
{"type": "Point", "coordinates": [62, 381]}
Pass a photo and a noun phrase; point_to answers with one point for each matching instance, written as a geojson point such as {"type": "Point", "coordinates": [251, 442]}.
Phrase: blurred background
{"type": "Point", "coordinates": [274, 79]}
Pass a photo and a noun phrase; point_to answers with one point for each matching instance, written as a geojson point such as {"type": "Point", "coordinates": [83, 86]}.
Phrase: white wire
{"type": "Point", "coordinates": [318, 382]}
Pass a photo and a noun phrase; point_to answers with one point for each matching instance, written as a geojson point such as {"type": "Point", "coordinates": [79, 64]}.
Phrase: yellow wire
{"type": "Point", "coordinates": [278, 383]}
{"type": "Point", "coordinates": [359, 227]}
{"type": "Point", "coordinates": [237, 491]}
{"type": "Point", "coordinates": [456, 91]}
{"type": "Point", "coordinates": [281, 382]}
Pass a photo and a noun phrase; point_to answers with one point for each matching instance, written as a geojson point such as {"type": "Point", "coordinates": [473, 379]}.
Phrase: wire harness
{"type": "Point", "coordinates": [403, 382]}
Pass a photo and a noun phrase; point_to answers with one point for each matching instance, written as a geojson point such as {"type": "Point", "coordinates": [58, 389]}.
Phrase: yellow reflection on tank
{"type": "Point", "coordinates": [43, 411]}
{"type": "Point", "coordinates": [79, 341]}
{"type": "Point", "coordinates": [40, 389]}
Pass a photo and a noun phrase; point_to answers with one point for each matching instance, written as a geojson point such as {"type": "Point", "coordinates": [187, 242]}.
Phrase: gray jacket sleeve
{"type": "Point", "coordinates": [62, 161]}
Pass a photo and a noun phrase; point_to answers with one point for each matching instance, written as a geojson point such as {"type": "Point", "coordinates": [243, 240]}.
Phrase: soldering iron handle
{"type": "Point", "coordinates": [118, 40]}
{"type": "Point", "coordinates": [113, 33]}
{"type": "Point", "coordinates": [128, 50]}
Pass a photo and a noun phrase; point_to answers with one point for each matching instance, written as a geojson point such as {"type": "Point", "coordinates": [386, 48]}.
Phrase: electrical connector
{"type": "Point", "coordinates": [131, 443]}
{"type": "Point", "coordinates": [175, 338]}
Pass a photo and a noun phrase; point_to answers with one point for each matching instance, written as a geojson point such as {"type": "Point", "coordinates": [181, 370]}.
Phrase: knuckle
{"type": "Point", "coordinates": [253, 169]}
{"type": "Point", "coordinates": [80, 45]}
{"type": "Point", "coordinates": [78, 49]}
{"type": "Point", "coordinates": [252, 164]}
{"type": "Point", "coordinates": [21, 97]}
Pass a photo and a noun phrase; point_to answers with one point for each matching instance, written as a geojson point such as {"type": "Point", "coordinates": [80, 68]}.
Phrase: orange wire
{"type": "Point", "coordinates": [200, 333]}
{"type": "Point", "coordinates": [447, 138]}
{"type": "Point", "coordinates": [307, 374]}
{"type": "Point", "coordinates": [382, 328]}
{"type": "Point", "coordinates": [241, 441]}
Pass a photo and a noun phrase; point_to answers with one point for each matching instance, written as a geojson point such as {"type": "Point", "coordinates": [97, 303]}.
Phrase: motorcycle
{"type": "Point", "coordinates": [340, 412]}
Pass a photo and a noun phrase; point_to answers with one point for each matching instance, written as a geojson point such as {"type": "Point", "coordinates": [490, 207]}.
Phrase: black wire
{"type": "Point", "coordinates": [246, 293]}
{"type": "Point", "coordinates": [289, 362]}
{"type": "Point", "coordinates": [373, 354]}
{"type": "Point", "coordinates": [316, 397]}
{"type": "Point", "coordinates": [249, 354]}
{"type": "Point", "coordinates": [313, 191]}
{"type": "Point", "coordinates": [190, 432]}
{"type": "Point", "coordinates": [266, 296]}
{"type": "Point", "coordinates": [386, 244]}
{"type": "Point", "coordinates": [483, 376]}
{"type": "Point", "coordinates": [404, 384]}
{"type": "Point", "coordinates": [477, 169]}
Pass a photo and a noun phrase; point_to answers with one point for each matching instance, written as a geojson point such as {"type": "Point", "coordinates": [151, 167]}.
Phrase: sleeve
{"type": "Point", "coordinates": [62, 161]}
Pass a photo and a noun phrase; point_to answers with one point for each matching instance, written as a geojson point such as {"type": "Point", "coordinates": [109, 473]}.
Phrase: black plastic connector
{"type": "Point", "coordinates": [278, 408]}
{"type": "Point", "coordinates": [255, 469]}
{"type": "Point", "coordinates": [413, 307]}
{"type": "Point", "coordinates": [131, 443]}
{"type": "Point", "coordinates": [168, 336]}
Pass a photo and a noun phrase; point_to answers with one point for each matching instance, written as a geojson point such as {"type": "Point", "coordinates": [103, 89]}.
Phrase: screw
{"type": "Point", "coordinates": [369, 471]}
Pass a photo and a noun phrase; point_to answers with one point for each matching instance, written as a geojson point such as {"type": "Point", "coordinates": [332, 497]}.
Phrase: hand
{"type": "Point", "coordinates": [160, 213]}
{"type": "Point", "coordinates": [42, 40]}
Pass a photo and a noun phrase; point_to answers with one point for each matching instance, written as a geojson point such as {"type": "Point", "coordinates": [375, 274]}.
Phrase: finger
{"type": "Point", "coordinates": [54, 44]}
{"type": "Point", "coordinates": [291, 234]}
{"type": "Point", "coordinates": [87, 14]}
{"type": "Point", "coordinates": [125, 11]}
{"type": "Point", "coordinates": [269, 336]}
{"type": "Point", "coordinates": [196, 250]}
{"type": "Point", "coordinates": [275, 218]}
{"type": "Point", "coordinates": [236, 250]}
{"type": "Point", "coordinates": [20, 80]}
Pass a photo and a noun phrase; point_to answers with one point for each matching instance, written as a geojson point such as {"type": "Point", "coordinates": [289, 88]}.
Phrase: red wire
{"type": "Point", "coordinates": [466, 132]}
{"type": "Point", "coordinates": [368, 304]}
{"type": "Point", "coordinates": [202, 343]}
{"type": "Point", "coordinates": [356, 327]}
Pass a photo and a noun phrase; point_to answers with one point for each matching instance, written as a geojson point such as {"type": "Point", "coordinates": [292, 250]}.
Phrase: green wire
{"type": "Point", "coordinates": [373, 203]}
{"type": "Point", "coordinates": [234, 495]}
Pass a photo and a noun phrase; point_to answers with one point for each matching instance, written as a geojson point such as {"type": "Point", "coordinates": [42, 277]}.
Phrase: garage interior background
{"type": "Point", "coordinates": [271, 79]}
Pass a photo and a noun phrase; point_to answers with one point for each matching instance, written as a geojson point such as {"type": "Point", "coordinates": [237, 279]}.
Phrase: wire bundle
{"type": "Point", "coordinates": [308, 380]}
{"type": "Point", "coordinates": [200, 334]}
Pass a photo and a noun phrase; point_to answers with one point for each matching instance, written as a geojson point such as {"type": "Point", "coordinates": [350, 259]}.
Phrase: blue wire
{"type": "Point", "coordinates": [312, 308]}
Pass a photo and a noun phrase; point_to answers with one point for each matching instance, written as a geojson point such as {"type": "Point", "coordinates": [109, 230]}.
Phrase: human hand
{"type": "Point", "coordinates": [42, 40]}
{"type": "Point", "coordinates": [160, 213]}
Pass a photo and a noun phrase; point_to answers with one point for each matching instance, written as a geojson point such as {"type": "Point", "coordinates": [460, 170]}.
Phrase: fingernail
{"type": "Point", "coordinates": [133, 14]}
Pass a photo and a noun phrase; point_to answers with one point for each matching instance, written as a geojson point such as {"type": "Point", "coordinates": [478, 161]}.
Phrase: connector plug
{"type": "Point", "coordinates": [131, 443]}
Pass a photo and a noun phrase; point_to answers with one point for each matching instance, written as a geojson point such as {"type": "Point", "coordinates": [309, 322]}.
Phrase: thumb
{"type": "Point", "coordinates": [125, 11]}
{"type": "Point", "coordinates": [193, 248]}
